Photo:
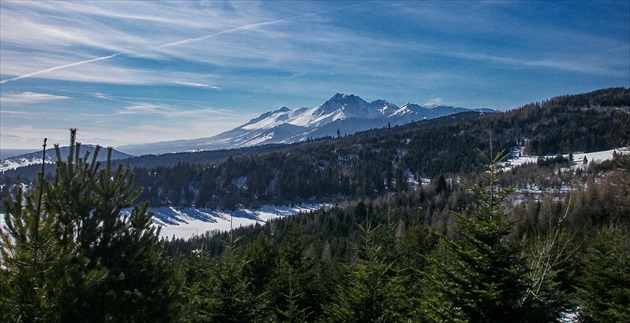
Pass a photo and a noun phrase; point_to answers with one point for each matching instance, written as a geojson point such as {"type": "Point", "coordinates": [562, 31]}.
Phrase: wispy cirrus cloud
{"type": "Point", "coordinates": [145, 108]}
{"type": "Point", "coordinates": [75, 36]}
{"type": "Point", "coordinates": [434, 102]}
{"type": "Point", "coordinates": [195, 84]}
{"type": "Point", "coordinates": [29, 97]}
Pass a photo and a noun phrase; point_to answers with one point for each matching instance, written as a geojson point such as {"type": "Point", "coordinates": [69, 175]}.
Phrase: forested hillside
{"type": "Point", "coordinates": [381, 161]}
{"type": "Point", "coordinates": [472, 242]}
{"type": "Point", "coordinates": [441, 253]}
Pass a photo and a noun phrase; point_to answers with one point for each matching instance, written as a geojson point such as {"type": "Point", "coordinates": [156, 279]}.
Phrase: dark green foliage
{"type": "Point", "coordinates": [33, 263]}
{"type": "Point", "coordinates": [218, 289]}
{"type": "Point", "coordinates": [543, 239]}
{"type": "Point", "coordinates": [89, 260]}
{"type": "Point", "coordinates": [430, 252]}
{"type": "Point", "coordinates": [498, 263]}
{"type": "Point", "coordinates": [373, 290]}
{"type": "Point", "coordinates": [604, 282]}
{"type": "Point", "coordinates": [296, 290]}
{"type": "Point", "coordinates": [479, 276]}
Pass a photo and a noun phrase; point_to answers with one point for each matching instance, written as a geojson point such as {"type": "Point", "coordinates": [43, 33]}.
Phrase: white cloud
{"type": "Point", "coordinates": [433, 102]}
{"type": "Point", "coordinates": [66, 37]}
{"type": "Point", "coordinates": [195, 84]}
{"type": "Point", "coordinates": [145, 108]}
{"type": "Point", "coordinates": [29, 97]}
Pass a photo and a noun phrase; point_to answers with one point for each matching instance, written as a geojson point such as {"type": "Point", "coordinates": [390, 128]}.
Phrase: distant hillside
{"type": "Point", "coordinates": [7, 153]}
{"type": "Point", "coordinates": [35, 158]}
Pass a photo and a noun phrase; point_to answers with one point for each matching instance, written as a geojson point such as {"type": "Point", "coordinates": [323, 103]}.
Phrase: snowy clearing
{"type": "Point", "coordinates": [578, 157]}
{"type": "Point", "coordinates": [188, 222]}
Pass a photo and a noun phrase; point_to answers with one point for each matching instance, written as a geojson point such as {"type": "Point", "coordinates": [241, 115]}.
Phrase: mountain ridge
{"type": "Point", "coordinates": [342, 114]}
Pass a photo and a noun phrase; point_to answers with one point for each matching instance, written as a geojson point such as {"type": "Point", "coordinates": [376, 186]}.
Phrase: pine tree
{"type": "Point", "coordinates": [294, 291]}
{"type": "Point", "coordinates": [603, 293]}
{"type": "Point", "coordinates": [479, 276]}
{"type": "Point", "coordinates": [90, 259]}
{"type": "Point", "coordinates": [198, 287]}
{"type": "Point", "coordinates": [32, 262]}
{"type": "Point", "coordinates": [232, 298]}
{"type": "Point", "coordinates": [374, 291]}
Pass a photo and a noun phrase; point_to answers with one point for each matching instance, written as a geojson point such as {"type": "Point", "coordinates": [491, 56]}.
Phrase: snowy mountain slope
{"type": "Point", "coordinates": [51, 157]}
{"type": "Point", "coordinates": [342, 114]}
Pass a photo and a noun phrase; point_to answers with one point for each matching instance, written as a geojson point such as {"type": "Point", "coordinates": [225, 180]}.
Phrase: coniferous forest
{"type": "Point", "coordinates": [427, 223]}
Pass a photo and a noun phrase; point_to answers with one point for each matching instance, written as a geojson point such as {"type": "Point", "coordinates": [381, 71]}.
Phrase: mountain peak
{"type": "Point", "coordinates": [347, 113]}
{"type": "Point", "coordinates": [344, 99]}
{"type": "Point", "coordinates": [347, 106]}
{"type": "Point", "coordinates": [341, 96]}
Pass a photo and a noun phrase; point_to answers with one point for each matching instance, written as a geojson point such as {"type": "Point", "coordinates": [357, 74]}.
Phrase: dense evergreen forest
{"type": "Point", "coordinates": [473, 244]}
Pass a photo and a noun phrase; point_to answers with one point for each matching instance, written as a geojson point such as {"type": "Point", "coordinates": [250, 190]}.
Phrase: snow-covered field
{"type": "Point", "coordinates": [187, 222]}
{"type": "Point", "coordinates": [594, 157]}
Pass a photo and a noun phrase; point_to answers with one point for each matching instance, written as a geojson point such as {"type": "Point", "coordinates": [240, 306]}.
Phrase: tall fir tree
{"type": "Point", "coordinates": [374, 290]}
{"type": "Point", "coordinates": [479, 275]}
{"type": "Point", "coordinates": [603, 293]}
{"type": "Point", "coordinates": [293, 290]}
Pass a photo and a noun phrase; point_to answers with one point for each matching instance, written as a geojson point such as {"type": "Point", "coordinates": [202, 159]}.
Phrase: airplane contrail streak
{"type": "Point", "coordinates": [61, 67]}
{"type": "Point", "coordinates": [177, 43]}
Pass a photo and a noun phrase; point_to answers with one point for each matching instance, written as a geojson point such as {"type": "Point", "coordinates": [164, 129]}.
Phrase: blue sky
{"type": "Point", "coordinates": [145, 71]}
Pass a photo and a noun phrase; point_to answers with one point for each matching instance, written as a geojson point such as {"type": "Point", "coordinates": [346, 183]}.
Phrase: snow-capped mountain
{"type": "Point", "coordinates": [341, 115]}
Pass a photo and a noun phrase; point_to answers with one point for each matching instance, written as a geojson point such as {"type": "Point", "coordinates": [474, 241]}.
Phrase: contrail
{"type": "Point", "coordinates": [177, 43]}
{"type": "Point", "coordinates": [60, 67]}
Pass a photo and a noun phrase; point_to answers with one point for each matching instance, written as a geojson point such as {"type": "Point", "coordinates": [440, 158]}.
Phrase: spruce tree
{"type": "Point", "coordinates": [294, 292]}
{"type": "Point", "coordinates": [603, 294]}
{"type": "Point", "coordinates": [374, 291]}
{"type": "Point", "coordinates": [479, 275]}
{"type": "Point", "coordinates": [230, 297]}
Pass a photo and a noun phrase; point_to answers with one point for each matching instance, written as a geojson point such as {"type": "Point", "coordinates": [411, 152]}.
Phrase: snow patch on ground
{"type": "Point", "coordinates": [188, 222]}
{"type": "Point", "coordinates": [14, 163]}
{"type": "Point", "coordinates": [594, 157]}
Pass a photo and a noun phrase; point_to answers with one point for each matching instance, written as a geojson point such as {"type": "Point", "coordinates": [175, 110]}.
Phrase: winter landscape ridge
{"type": "Point", "coordinates": [341, 115]}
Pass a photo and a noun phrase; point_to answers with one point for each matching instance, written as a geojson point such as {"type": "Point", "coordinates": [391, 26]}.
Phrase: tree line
{"type": "Point", "coordinates": [450, 251]}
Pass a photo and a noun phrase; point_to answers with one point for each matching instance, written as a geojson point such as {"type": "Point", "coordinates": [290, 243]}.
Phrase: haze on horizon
{"type": "Point", "coordinates": [128, 72]}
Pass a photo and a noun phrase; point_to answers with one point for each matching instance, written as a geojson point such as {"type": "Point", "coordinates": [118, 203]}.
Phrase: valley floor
{"type": "Point", "coordinates": [186, 222]}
